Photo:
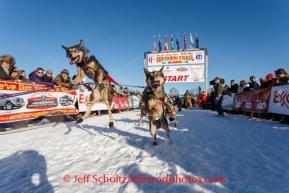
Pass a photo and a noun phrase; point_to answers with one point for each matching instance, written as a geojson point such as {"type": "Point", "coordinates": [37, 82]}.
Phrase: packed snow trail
{"type": "Point", "coordinates": [251, 155]}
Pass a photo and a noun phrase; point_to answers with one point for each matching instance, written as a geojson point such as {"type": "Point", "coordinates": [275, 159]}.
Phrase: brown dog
{"type": "Point", "coordinates": [155, 102]}
{"type": "Point", "coordinates": [90, 67]}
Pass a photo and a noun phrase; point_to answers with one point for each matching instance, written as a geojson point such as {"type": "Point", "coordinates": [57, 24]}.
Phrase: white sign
{"type": "Point", "coordinates": [176, 58]}
{"type": "Point", "coordinates": [227, 101]}
{"type": "Point", "coordinates": [83, 98]}
{"type": "Point", "coordinates": [279, 100]}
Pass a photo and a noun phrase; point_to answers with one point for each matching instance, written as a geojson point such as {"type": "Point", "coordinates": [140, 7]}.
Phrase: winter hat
{"type": "Point", "coordinates": [280, 71]}
{"type": "Point", "coordinates": [270, 76]}
{"type": "Point", "coordinates": [64, 71]}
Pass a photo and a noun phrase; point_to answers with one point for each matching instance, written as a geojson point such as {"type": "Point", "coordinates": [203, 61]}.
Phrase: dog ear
{"type": "Point", "coordinates": [81, 44]}
{"type": "Point", "coordinates": [66, 48]}
{"type": "Point", "coordinates": [161, 70]}
{"type": "Point", "coordinates": [147, 73]}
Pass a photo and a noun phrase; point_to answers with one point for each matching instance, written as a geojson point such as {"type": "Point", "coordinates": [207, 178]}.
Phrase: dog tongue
{"type": "Point", "coordinates": [156, 84]}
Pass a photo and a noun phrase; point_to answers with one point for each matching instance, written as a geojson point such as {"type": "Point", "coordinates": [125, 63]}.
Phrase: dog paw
{"type": "Point", "coordinates": [155, 143]}
{"type": "Point", "coordinates": [111, 125]}
{"type": "Point", "coordinates": [171, 142]}
{"type": "Point", "coordinates": [79, 120]}
{"type": "Point", "coordinates": [171, 119]}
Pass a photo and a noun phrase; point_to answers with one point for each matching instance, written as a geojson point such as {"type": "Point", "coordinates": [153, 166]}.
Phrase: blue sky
{"type": "Point", "coordinates": [244, 38]}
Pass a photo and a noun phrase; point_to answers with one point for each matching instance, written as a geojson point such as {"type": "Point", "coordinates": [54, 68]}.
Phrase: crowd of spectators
{"type": "Point", "coordinates": [281, 78]}
{"type": "Point", "coordinates": [9, 72]}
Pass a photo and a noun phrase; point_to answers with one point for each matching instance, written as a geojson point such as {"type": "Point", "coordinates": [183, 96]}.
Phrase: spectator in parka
{"type": "Point", "coordinates": [203, 98]}
{"type": "Point", "coordinates": [15, 74]}
{"type": "Point", "coordinates": [6, 64]}
{"type": "Point", "coordinates": [269, 80]}
{"type": "Point", "coordinates": [47, 76]}
{"type": "Point", "coordinates": [282, 77]}
{"type": "Point", "coordinates": [243, 86]}
{"type": "Point", "coordinates": [234, 87]}
{"type": "Point", "coordinates": [226, 90]}
{"type": "Point", "coordinates": [63, 79]}
{"type": "Point", "coordinates": [219, 98]}
{"type": "Point", "coordinates": [36, 75]}
{"type": "Point", "coordinates": [254, 84]}
{"type": "Point", "coordinates": [263, 82]}
{"type": "Point", "coordinates": [23, 78]}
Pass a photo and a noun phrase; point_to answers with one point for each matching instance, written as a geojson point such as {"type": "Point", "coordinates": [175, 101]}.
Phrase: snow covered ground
{"type": "Point", "coordinates": [245, 155]}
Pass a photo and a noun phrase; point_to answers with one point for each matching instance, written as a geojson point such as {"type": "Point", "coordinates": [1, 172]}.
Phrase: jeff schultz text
{"type": "Point", "coordinates": [87, 178]}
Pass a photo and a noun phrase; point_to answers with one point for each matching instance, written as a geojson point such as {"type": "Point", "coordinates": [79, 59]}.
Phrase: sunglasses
{"type": "Point", "coordinates": [40, 72]}
{"type": "Point", "coordinates": [49, 72]}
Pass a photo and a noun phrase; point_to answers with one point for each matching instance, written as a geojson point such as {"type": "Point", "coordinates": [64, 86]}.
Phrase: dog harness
{"type": "Point", "coordinates": [86, 70]}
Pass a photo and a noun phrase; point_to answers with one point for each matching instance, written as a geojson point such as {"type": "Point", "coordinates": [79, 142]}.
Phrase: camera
{"type": "Point", "coordinates": [222, 81]}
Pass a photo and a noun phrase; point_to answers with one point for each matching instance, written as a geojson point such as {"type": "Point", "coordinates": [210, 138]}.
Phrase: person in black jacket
{"type": "Point", "coordinates": [47, 76]}
{"type": "Point", "coordinates": [234, 87]}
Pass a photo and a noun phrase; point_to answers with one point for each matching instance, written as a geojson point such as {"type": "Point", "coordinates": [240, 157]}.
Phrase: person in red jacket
{"type": "Point", "coordinates": [203, 98]}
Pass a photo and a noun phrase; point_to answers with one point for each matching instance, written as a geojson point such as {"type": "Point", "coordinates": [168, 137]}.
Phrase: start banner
{"type": "Point", "coordinates": [181, 73]}
{"type": "Point", "coordinates": [21, 101]}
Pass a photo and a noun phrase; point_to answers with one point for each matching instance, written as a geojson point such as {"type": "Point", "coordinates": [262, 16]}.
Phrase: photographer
{"type": "Point", "coordinates": [218, 99]}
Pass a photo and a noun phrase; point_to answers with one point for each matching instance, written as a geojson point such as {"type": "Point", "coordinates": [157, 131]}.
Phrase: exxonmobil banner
{"type": "Point", "coordinates": [279, 100]}
{"type": "Point", "coordinates": [118, 102]}
{"type": "Point", "coordinates": [181, 73]}
{"type": "Point", "coordinates": [176, 58]}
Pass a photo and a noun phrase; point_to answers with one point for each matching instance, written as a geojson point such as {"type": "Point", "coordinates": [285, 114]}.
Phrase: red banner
{"type": "Point", "coordinates": [255, 101]}
{"type": "Point", "coordinates": [120, 103]}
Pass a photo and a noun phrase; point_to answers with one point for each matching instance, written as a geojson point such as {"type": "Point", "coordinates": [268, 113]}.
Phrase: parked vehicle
{"type": "Point", "coordinates": [66, 100]}
{"type": "Point", "coordinates": [12, 102]}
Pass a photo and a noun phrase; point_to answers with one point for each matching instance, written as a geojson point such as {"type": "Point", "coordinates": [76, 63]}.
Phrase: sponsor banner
{"type": "Point", "coordinates": [176, 58]}
{"type": "Point", "coordinates": [133, 102]}
{"type": "Point", "coordinates": [19, 101]}
{"type": "Point", "coordinates": [118, 102]}
{"type": "Point", "coordinates": [279, 100]}
{"type": "Point", "coordinates": [227, 102]}
{"type": "Point", "coordinates": [255, 101]}
{"type": "Point", "coordinates": [181, 73]}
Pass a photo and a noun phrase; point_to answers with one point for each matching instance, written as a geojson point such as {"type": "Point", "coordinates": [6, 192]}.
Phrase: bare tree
{"type": "Point", "coordinates": [192, 91]}
{"type": "Point", "coordinates": [173, 91]}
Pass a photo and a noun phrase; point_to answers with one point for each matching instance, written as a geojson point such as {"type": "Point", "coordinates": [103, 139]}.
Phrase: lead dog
{"type": "Point", "coordinates": [155, 100]}
{"type": "Point", "coordinates": [89, 65]}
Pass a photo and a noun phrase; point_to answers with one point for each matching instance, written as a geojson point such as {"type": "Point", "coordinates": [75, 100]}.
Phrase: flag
{"type": "Point", "coordinates": [178, 43]}
{"type": "Point", "coordinates": [197, 41]}
{"type": "Point", "coordinates": [155, 45]}
{"type": "Point", "coordinates": [166, 43]}
{"type": "Point", "coordinates": [160, 45]}
{"type": "Point", "coordinates": [172, 43]}
{"type": "Point", "coordinates": [191, 40]}
{"type": "Point", "coordinates": [185, 41]}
